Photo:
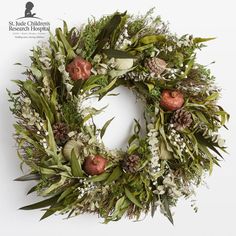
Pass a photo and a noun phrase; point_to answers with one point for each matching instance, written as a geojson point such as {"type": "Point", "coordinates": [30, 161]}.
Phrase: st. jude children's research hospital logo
{"type": "Point", "coordinates": [29, 25]}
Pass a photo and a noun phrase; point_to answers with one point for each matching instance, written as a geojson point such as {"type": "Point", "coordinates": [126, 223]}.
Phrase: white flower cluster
{"type": "Point", "coordinates": [209, 133]}
{"type": "Point", "coordinates": [99, 68]}
{"type": "Point", "coordinates": [176, 140]}
{"type": "Point", "coordinates": [60, 58]}
{"type": "Point", "coordinates": [29, 114]}
{"type": "Point", "coordinates": [123, 39]}
{"type": "Point", "coordinates": [172, 73]}
{"type": "Point", "coordinates": [168, 186]}
{"type": "Point", "coordinates": [46, 87]}
{"type": "Point", "coordinates": [184, 41]}
{"type": "Point", "coordinates": [85, 188]}
{"type": "Point", "coordinates": [44, 143]}
{"type": "Point", "coordinates": [44, 58]}
{"type": "Point", "coordinates": [153, 145]}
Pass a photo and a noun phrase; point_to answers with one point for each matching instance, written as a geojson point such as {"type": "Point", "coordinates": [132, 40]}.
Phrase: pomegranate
{"type": "Point", "coordinates": [94, 165]}
{"type": "Point", "coordinates": [171, 100]}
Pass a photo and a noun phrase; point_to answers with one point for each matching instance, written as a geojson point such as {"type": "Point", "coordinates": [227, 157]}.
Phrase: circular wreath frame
{"type": "Point", "coordinates": [59, 142]}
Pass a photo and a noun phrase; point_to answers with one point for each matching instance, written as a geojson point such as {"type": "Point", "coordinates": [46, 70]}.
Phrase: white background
{"type": "Point", "coordinates": [217, 205]}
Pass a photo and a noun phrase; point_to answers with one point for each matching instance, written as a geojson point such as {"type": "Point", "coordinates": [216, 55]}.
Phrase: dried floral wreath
{"type": "Point", "coordinates": [59, 141]}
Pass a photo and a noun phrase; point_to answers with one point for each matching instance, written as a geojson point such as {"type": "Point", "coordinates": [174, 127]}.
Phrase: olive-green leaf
{"type": "Point", "coordinates": [132, 148]}
{"type": "Point", "coordinates": [207, 142]}
{"type": "Point", "coordinates": [117, 53]}
{"type": "Point", "coordinates": [33, 189]}
{"type": "Point", "coordinates": [75, 165]}
{"type": "Point", "coordinates": [152, 39]}
{"type": "Point", "coordinates": [51, 141]}
{"type": "Point", "coordinates": [65, 28]}
{"type": "Point", "coordinates": [116, 173]}
{"type": "Point", "coordinates": [202, 40]}
{"type": "Point", "coordinates": [107, 88]}
{"type": "Point", "coordinates": [167, 210]}
{"type": "Point", "coordinates": [36, 72]}
{"type": "Point", "coordinates": [103, 130]}
{"type": "Point", "coordinates": [41, 204]}
{"type": "Point", "coordinates": [48, 213]}
{"type": "Point", "coordinates": [28, 177]}
{"type": "Point", "coordinates": [66, 193]}
{"type": "Point", "coordinates": [107, 32]}
{"type": "Point", "coordinates": [132, 198]}
{"type": "Point", "coordinates": [68, 47]}
{"type": "Point", "coordinates": [101, 177]}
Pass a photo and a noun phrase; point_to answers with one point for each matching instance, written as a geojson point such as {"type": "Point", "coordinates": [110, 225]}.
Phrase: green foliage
{"type": "Point", "coordinates": [71, 115]}
{"type": "Point", "coordinates": [89, 35]}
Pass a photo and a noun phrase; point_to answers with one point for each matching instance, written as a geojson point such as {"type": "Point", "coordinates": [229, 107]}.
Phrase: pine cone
{"type": "Point", "coordinates": [60, 131]}
{"type": "Point", "coordinates": [156, 65]}
{"type": "Point", "coordinates": [181, 119]}
{"type": "Point", "coordinates": [131, 163]}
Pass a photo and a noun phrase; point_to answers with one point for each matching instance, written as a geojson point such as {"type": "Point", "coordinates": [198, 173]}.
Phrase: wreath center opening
{"type": "Point", "coordinates": [121, 105]}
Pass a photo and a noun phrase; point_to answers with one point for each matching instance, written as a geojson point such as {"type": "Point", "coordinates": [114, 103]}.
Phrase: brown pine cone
{"type": "Point", "coordinates": [181, 119]}
{"type": "Point", "coordinates": [131, 163]}
{"type": "Point", "coordinates": [60, 131]}
{"type": "Point", "coordinates": [156, 65]}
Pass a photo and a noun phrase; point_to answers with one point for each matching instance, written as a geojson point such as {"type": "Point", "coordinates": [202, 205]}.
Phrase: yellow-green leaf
{"type": "Point", "coordinates": [116, 173]}
{"type": "Point", "coordinates": [132, 198]}
{"type": "Point", "coordinates": [152, 39]}
{"type": "Point", "coordinates": [76, 169]}
{"type": "Point", "coordinates": [202, 40]}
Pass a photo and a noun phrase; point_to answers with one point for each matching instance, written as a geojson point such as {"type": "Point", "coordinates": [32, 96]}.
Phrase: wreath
{"type": "Point", "coordinates": [62, 147]}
